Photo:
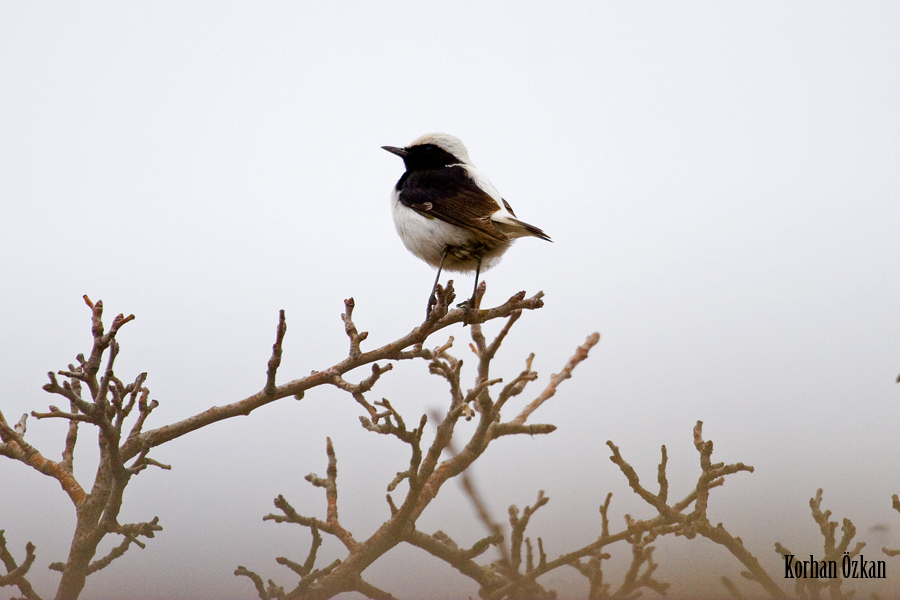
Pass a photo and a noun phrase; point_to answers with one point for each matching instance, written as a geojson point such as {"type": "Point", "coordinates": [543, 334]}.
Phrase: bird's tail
{"type": "Point", "coordinates": [515, 228]}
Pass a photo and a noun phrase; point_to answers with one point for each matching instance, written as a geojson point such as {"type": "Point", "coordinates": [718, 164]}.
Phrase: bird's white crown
{"type": "Point", "coordinates": [444, 141]}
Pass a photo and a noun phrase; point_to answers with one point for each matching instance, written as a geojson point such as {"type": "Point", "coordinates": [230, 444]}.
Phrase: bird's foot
{"type": "Point", "coordinates": [432, 301]}
{"type": "Point", "coordinates": [468, 304]}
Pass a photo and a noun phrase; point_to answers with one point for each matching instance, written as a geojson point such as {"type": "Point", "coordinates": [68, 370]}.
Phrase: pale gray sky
{"type": "Point", "coordinates": [720, 179]}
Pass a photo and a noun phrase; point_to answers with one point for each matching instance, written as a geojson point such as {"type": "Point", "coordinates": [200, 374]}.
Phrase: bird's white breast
{"type": "Point", "coordinates": [425, 238]}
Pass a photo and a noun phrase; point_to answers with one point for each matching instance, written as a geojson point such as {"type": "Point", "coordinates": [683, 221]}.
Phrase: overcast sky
{"type": "Point", "coordinates": [721, 181]}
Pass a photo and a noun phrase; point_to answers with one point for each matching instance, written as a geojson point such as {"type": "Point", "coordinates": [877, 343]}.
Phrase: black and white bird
{"type": "Point", "coordinates": [448, 214]}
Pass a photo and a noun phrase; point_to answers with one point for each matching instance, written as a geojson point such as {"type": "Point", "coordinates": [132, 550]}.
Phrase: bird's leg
{"type": "Point", "coordinates": [475, 289]}
{"type": "Point", "coordinates": [432, 298]}
{"type": "Point", "coordinates": [470, 303]}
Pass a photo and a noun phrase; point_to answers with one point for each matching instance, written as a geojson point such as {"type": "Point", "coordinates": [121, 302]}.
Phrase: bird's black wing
{"type": "Point", "coordinates": [449, 194]}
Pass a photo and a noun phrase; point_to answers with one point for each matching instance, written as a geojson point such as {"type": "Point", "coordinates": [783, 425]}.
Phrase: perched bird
{"type": "Point", "coordinates": [448, 214]}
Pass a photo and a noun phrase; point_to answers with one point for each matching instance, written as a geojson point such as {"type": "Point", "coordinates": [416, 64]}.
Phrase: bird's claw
{"type": "Point", "coordinates": [468, 304]}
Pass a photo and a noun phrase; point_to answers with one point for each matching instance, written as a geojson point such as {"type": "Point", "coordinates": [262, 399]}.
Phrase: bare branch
{"type": "Point", "coordinates": [580, 354]}
{"type": "Point", "coordinates": [441, 546]}
{"type": "Point", "coordinates": [16, 447]}
{"type": "Point", "coordinates": [833, 551]}
{"type": "Point", "coordinates": [634, 578]}
{"type": "Point", "coordinates": [733, 591]}
{"type": "Point", "coordinates": [113, 554]}
{"type": "Point", "coordinates": [257, 583]}
{"type": "Point", "coordinates": [109, 402]}
{"type": "Point", "coordinates": [275, 361]}
{"type": "Point", "coordinates": [331, 525]}
{"type": "Point", "coordinates": [518, 528]}
{"type": "Point", "coordinates": [20, 426]}
{"type": "Point", "coordinates": [355, 337]}
{"type": "Point", "coordinates": [440, 318]}
{"type": "Point", "coordinates": [661, 475]}
{"type": "Point", "coordinates": [895, 504]}
{"type": "Point", "coordinates": [15, 574]}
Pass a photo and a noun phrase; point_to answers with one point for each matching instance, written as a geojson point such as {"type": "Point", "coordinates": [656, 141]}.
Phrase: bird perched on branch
{"type": "Point", "coordinates": [448, 214]}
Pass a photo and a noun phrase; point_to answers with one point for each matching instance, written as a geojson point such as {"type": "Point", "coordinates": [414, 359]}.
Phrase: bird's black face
{"type": "Point", "coordinates": [424, 156]}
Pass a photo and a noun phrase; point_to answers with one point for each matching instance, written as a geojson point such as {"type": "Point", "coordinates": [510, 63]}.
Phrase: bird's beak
{"type": "Point", "coordinates": [401, 152]}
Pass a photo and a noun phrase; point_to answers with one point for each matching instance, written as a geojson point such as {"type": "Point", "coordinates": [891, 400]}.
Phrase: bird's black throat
{"type": "Point", "coordinates": [427, 156]}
